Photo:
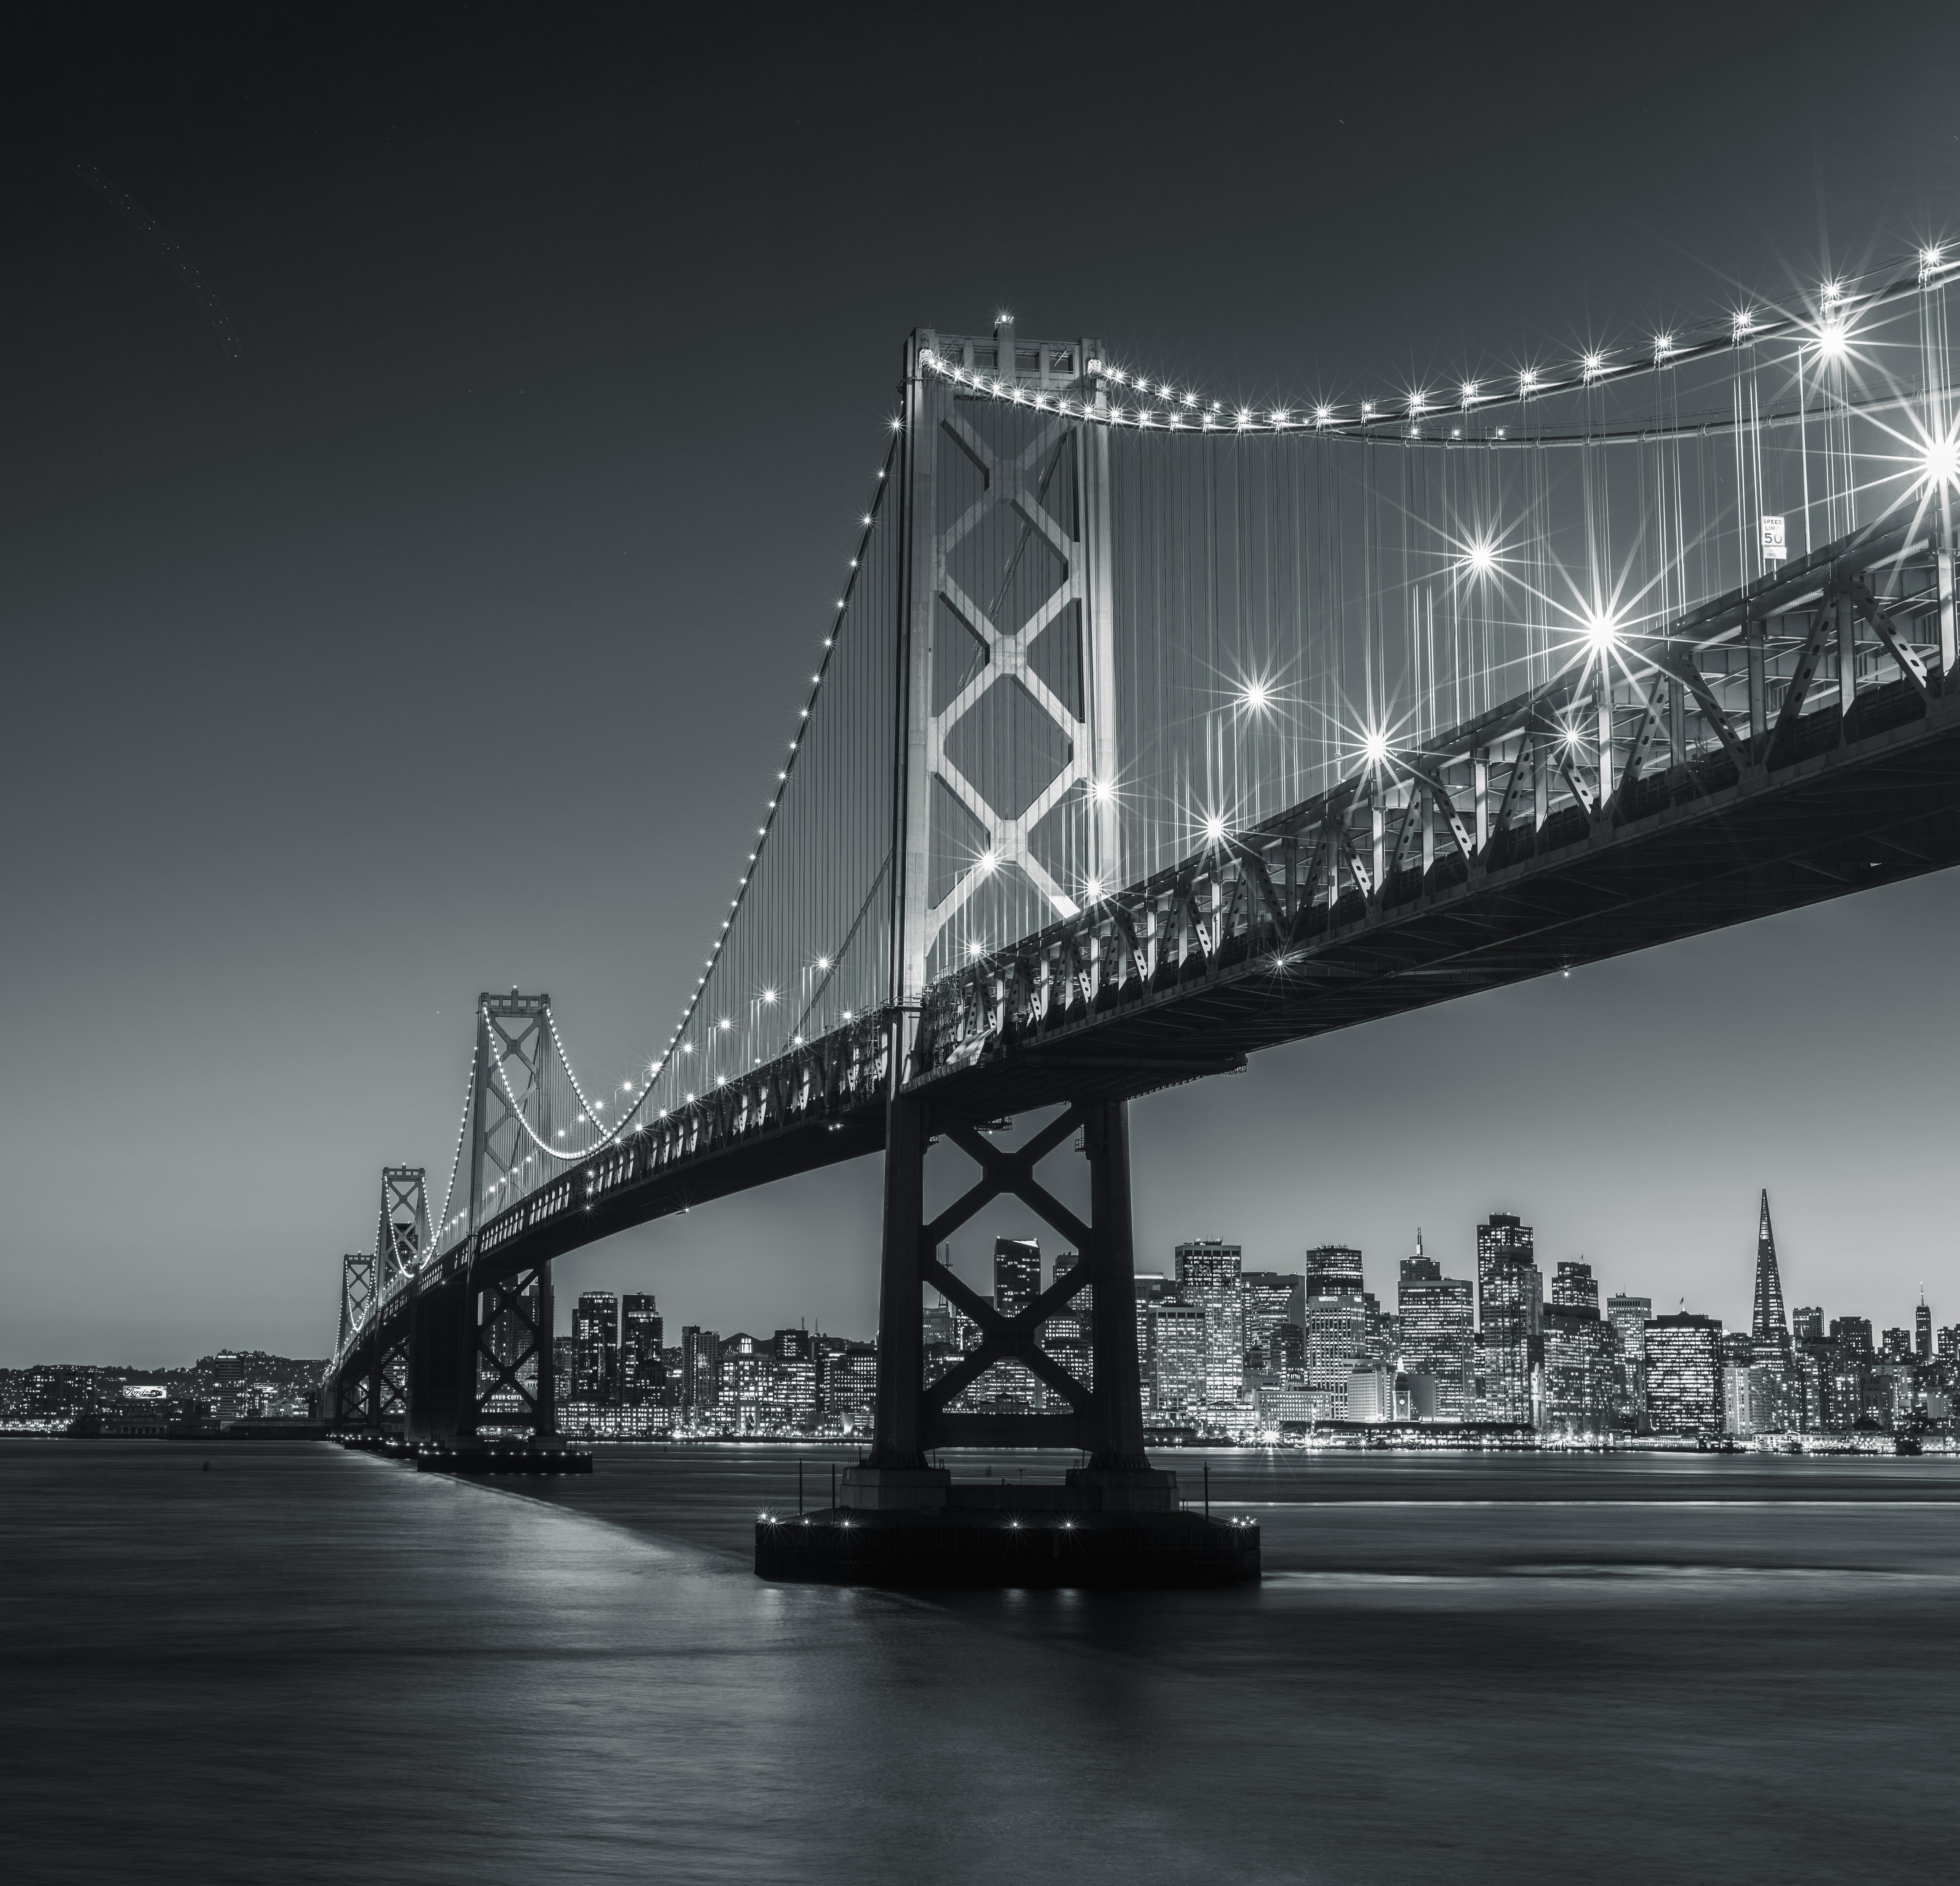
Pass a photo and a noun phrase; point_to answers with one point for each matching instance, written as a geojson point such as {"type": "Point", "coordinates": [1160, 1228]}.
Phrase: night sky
{"type": "Point", "coordinates": [440, 639]}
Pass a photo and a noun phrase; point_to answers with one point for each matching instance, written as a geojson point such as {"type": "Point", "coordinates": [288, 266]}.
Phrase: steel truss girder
{"type": "Point", "coordinates": [1152, 938]}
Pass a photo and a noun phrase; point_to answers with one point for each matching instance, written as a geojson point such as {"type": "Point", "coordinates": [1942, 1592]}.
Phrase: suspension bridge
{"type": "Point", "coordinates": [1148, 729]}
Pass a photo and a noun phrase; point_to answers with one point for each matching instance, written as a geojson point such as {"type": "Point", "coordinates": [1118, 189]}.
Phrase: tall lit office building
{"type": "Point", "coordinates": [1208, 1277]}
{"type": "Point", "coordinates": [1510, 1298]}
{"type": "Point", "coordinates": [1333, 1270]}
{"type": "Point", "coordinates": [1630, 1316]}
{"type": "Point", "coordinates": [1066, 1336]}
{"type": "Point", "coordinates": [700, 1371]}
{"type": "Point", "coordinates": [1684, 1371]}
{"type": "Point", "coordinates": [1179, 1332]}
{"type": "Point", "coordinates": [1270, 1298]}
{"type": "Point", "coordinates": [640, 1337]}
{"type": "Point", "coordinates": [1334, 1344]}
{"type": "Point", "coordinates": [1922, 1328]}
{"type": "Point", "coordinates": [1017, 1274]}
{"type": "Point", "coordinates": [1580, 1349]}
{"type": "Point", "coordinates": [1438, 1330]}
{"type": "Point", "coordinates": [595, 1338]}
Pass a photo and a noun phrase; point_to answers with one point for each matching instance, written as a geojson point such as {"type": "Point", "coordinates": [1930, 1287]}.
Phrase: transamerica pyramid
{"type": "Point", "coordinates": [1770, 1325]}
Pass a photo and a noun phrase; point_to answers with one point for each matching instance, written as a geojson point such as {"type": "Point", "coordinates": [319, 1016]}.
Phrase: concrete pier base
{"type": "Point", "coordinates": [980, 1547]}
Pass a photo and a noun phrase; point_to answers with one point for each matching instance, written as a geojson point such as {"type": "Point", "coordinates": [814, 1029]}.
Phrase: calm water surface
{"type": "Point", "coordinates": [307, 1665]}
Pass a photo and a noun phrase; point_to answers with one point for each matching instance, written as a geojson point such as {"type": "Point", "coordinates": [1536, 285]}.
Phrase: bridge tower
{"type": "Point", "coordinates": [1007, 619]}
{"type": "Point", "coordinates": [482, 1347]}
{"type": "Point", "coordinates": [351, 1402]}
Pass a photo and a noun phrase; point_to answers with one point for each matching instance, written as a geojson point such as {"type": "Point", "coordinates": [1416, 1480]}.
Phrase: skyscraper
{"type": "Point", "coordinates": [1208, 1277]}
{"type": "Point", "coordinates": [1333, 1270]}
{"type": "Point", "coordinates": [1769, 1325]}
{"type": "Point", "coordinates": [1017, 1274]}
{"type": "Point", "coordinates": [1579, 1353]}
{"type": "Point", "coordinates": [700, 1373]}
{"type": "Point", "coordinates": [1270, 1298]}
{"type": "Point", "coordinates": [1684, 1371]}
{"type": "Point", "coordinates": [641, 1335]}
{"type": "Point", "coordinates": [1438, 1330]}
{"type": "Point", "coordinates": [1178, 1351]}
{"type": "Point", "coordinates": [1510, 1339]}
{"type": "Point", "coordinates": [1922, 1328]}
{"type": "Point", "coordinates": [1630, 1316]}
{"type": "Point", "coordinates": [595, 1339]}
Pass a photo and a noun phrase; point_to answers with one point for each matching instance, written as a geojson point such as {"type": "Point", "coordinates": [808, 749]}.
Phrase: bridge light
{"type": "Point", "coordinates": [1663, 345]}
{"type": "Point", "coordinates": [1322, 414]}
{"type": "Point", "coordinates": [1832, 293]}
{"type": "Point", "coordinates": [847, 1015]}
{"type": "Point", "coordinates": [1469, 391]}
{"type": "Point", "coordinates": [1256, 695]}
{"type": "Point", "coordinates": [1745, 322]}
{"type": "Point", "coordinates": [1101, 791]}
{"type": "Point", "coordinates": [1592, 364]}
{"type": "Point", "coordinates": [1929, 258]}
{"type": "Point", "coordinates": [1528, 380]}
{"type": "Point", "coordinates": [769, 995]}
{"type": "Point", "coordinates": [1244, 418]}
{"type": "Point", "coordinates": [1376, 747]}
{"type": "Point", "coordinates": [1831, 339]}
{"type": "Point", "coordinates": [724, 1023]}
{"type": "Point", "coordinates": [1482, 557]}
{"type": "Point", "coordinates": [1214, 828]}
{"type": "Point", "coordinates": [972, 950]}
{"type": "Point", "coordinates": [1093, 889]}
{"type": "Point", "coordinates": [1941, 460]}
{"type": "Point", "coordinates": [990, 862]}
{"type": "Point", "coordinates": [823, 963]}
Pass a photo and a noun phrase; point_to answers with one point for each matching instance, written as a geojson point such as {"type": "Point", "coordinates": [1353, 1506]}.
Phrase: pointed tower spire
{"type": "Point", "coordinates": [1770, 1325]}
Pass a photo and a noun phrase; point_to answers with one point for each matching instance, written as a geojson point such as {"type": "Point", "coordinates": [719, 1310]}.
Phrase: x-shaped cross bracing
{"type": "Point", "coordinates": [1008, 650]}
{"type": "Point", "coordinates": [1010, 1338]}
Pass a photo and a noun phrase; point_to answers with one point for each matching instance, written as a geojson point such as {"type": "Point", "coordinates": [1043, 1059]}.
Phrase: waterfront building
{"type": "Point", "coordinates": [641, 1377]}
{"type": "Point", "coordinates": [1178, 1353]}
{"type": "Point", "coordinates": [1510, 1336]}
{"type": "Point", "coordinates": [700, 1374]}
{"type": "Point", "coordinates": [1683, 1375]}
{"type": "Point", "coordinates": [1438, 1334]}
{"type": "Point", "coordinates": [595, 1336]}
{"type": "Point", "coordinates": [847, 1383]}
{"type": "Point", "coordinates": [1371, 1396]}
{"type": "Point", "coordinates": [1332, 1270]}
{"type": "Point", "coordinates": [1269, 1299]}
{"type": "Point", "coordinates": [1208, 1276]}
{"type": "Point", "coordinates": [748, 1386]}
{"type": "Point", "coordinates": [1629, 1316]}
{"type": "Point", "coordinates": [1581, 1352]}
{"type": "Point", "coordinates": [1334, 1344]}
{"type": "Point", "coordinates": [792, 1403]}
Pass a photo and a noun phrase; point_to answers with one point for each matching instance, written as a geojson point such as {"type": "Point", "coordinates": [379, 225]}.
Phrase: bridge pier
{"type": "Point", "coordinates": [470, 1350]}
{"type": "Point", "coordinates": [1104, 1419]}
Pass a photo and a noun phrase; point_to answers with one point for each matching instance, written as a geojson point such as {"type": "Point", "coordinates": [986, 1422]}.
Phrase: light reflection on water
{"type": "Point", "coordinates": [307, 1665]}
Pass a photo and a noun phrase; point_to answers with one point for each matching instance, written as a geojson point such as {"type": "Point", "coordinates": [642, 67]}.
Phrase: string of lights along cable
{"type": "Point", "coordinates": [1291, 592]}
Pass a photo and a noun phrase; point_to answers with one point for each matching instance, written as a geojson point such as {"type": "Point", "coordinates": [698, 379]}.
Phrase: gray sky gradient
{"type": "Point", "coordinates": [437, 642]}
